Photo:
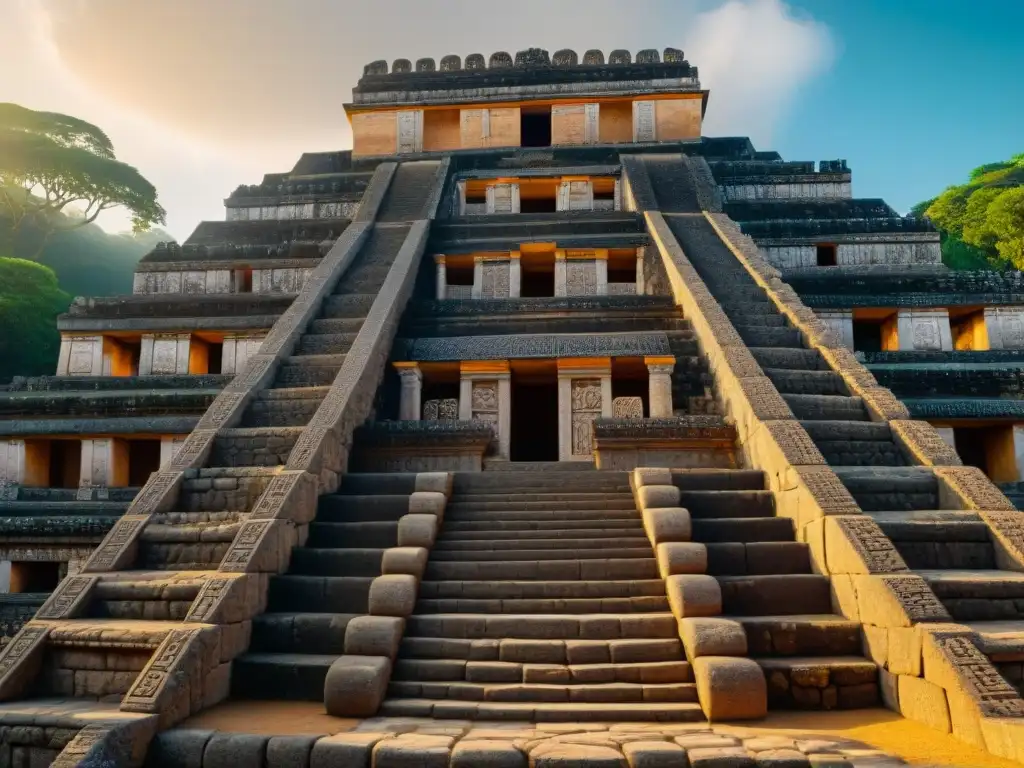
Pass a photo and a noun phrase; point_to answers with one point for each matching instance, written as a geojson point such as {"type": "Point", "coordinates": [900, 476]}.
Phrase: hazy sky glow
{"type": "Point", "coordinates": [202, 95]}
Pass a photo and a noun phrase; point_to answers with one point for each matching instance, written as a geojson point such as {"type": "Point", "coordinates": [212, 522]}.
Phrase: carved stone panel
{"type": "Point", "coordinates": [643, 121]}
{"type": "Point", "coordinates": [484, 402]}
{"type": "Point", "coordinates": [627, 408]}
{"type": "Point", "coordinates": [446, 409]}
{"type": "Point", "coordinates": [494, 280]}
{"type": "Point", "coordinates": [585, 402]}
{"type": "Point", "coordinates": [410, 131]}
{"type": "Point", "coordinates": [581, 278]}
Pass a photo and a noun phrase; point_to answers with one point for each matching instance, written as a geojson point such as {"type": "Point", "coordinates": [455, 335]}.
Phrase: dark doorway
{"type": "Point", "coordinates": [826, 255]}
{"type": "Point", "coordinates": [534, 421]}
{"type": "Point", "coordinates": [632, 388]}
{"type": "Point", "coordinates": [867, 336]}
{"type": "Point", "coordinates": [65, 463]}
{"type": "Point", "coordinates": [537, 205]}
{"type": "Point", "coordinates": [971, 445]}
{"type": "Point", "coordinates": [535, 127]}
{"type": "Point", "coordinates": [143, 460]}
{"type": "Point", "coordinates": [34, 576]}
{"type": "Point", "coordinates": [536, 283]}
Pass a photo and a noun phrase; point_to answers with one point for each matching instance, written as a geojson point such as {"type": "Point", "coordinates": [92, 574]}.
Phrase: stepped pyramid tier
{"type": "Point", "coordinates": [536, 407]}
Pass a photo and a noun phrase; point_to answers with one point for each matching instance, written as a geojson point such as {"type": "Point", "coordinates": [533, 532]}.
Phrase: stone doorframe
{"type": "Point", "coordinates": [485, 394]}
{"type": "Point", "coordinates": [584, 393]}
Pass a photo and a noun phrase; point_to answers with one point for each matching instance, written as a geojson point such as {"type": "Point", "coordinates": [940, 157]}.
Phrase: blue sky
{"type": "Point", "coordinates": [919, 93]}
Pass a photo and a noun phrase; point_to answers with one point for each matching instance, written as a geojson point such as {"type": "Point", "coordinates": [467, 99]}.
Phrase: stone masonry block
{"type": "Point", "coordinates": [413, 750]}
{"type": "Point", "coordinates": [924, 702]}
{"type": "Point", "coordinates": [856, 544]}
{"type": "Point", "coordinates": [437, 482]}
{"type": "Point", "coordinates": [492, 753]}
{"type": "Point", "coordinates": [289, 751]}
{"type": "Point", "coordinates": [676, 558]}
{"type": "Point", "coordinates": [712, 637]}
{"type": "Point", "coordinates": [428, 503]}
{"type": "Point", "coordinates": [896, 600]}
{"type": "Point", "coordinates": [657, 496]}
{"type": "Point", "coordinates": [693, 595]}
{"type": "Point", "coordinates": [730, 688]}
{"type": "Point", "coordinates": [417, 530]}
{"type": "Point", "coordinates": [224, 750]}
{"type": "Point", "coordinates": [346, 748]}
{"type": "Point", "coordinates": [178, 748]}
{"type": "Point", "coordinates": [393, 595]}
{"type": "Point", "coordinates": [374, 636]}
{"type": "Point", "coordinates": [410, 560]}
{"type": "Point", "coordinates": [355, 685]}
{"type": "Point", "coordinates": [667, 524]}
{"type": "Point", "coordinates": [644, 476]}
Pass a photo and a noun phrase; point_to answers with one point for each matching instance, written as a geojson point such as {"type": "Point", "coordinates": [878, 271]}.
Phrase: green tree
{"type": "Point", "coordinates": [53, 164]}
{"type": "Point", "coordinates": [30, 301]}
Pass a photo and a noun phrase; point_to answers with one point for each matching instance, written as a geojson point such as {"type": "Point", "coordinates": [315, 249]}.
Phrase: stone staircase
{"type": "Point", "coordinates": [542, 602]}
{"type": "Point", "coordinates": [309, 608]}
{"type": "Point", "coordinates": [811, 657]}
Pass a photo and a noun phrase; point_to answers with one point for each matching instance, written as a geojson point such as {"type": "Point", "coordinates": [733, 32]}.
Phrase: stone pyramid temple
{"type": "Point", "coordinates": [536, 429]}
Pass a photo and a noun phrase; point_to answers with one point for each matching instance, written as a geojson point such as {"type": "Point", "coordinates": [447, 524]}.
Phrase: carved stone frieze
{"type": "Point", "coordinates": [924, 444]}
{"type": "Point", "coordinates": [828, 491]}
{"type": "Point", "coordinates": [794, 442]}
{"type": "Point", "coordinates": [764, 399]}
{"type": "Point", "coordinates": [973, 489]}
{"type": "Point", "coordinates": [586, 403]}
{"type": "Point", "coordinates": [872, 545]}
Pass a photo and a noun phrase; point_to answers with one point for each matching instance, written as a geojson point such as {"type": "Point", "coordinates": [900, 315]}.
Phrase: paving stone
{"type": "Point", "coordinates": [486, 753]}
{"type": "Point", "coordinates": [720, 757]}
{"type": "Point", "coordinates": [289, 751]}
{"type": "Point", "coordinates": [345, 750]}
{"type": "Point", "coordinates": [226, 750]}
{"type": "Point", "coordinates": [413, 750]}
{"type": "Point", "coordinates": [781, 758]}
{"type": "Point", "coordinates": [178, 748]}
{"type": "Point", "coordinates": [654, 754]}
{"type": "Point", "coordinates": [561, 755]}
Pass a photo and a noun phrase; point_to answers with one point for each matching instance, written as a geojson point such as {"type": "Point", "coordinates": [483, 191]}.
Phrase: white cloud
{"type": "Point", "coordinates": [755, 56]}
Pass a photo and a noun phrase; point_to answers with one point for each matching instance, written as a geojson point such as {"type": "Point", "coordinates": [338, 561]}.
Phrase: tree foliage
{"type": "Point", "coordinates": [30, 301]}
{"type": "Point", "coordinates": [58, 172]}
{"type": "Point", "coordinates": [984, 217]}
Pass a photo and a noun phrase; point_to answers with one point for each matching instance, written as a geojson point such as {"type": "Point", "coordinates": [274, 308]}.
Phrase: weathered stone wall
{"type": "Point", "coordinates": [734, 191]}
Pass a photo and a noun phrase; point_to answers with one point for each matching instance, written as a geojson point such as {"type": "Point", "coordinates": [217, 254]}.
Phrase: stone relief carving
{"type": "Point", "coordinates": [425, 65]}
{"type": "Point", "coordinates": [446, 409]}
{"type": "Point", "coordinates": [565, 58]}
{"type": "Point", "coordinates": [401, 65]}
{"type": "Point", "coordinates": [451, 63]}
{"type": "Point", "coordinates": [673, 56]}
{"type": "Point", "coordinates": [926, 334]}
{"type": "Point", "coordinates": [627, 408]}
{"type": "Point", "coordinates": [648, 56]}
{"type": "Point", "coordinates": [586, 402]}
{"type": "Point", "coordinates": [593, 57]}
{"type": "Point", "coordinates": [580, 278]}
{"type": "Point", "coordinates": [500, 59]}
{"type": "Point", "coordinates": [484, 401]}
{"type": "Point", "coordinates": [494, 280]}
{"type": "Point", "coordinates": [475, 61]}
{"type": "Point", "coordinates": [620, 56]}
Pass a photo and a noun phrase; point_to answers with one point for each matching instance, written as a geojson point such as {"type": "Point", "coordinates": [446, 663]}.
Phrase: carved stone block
{"type": "Point", "coordinates": [924, 444]}
{"type": "Point", "coordinates": [500, 60]}
{"type": "Point", "coordinates": [969, 488]}
{"type": "Point", "coordinates": [593, 58]}
{"type": "Point", "coordinates": [794, 442]}
{"type": "Point", "coordinates": [627, 408]}
{"type": "Point", "coordinates": [620, 56]}
{"type": "Point", "coordinates": [829, 493]}
{"type": "Point", "coordinates": [451, 63]}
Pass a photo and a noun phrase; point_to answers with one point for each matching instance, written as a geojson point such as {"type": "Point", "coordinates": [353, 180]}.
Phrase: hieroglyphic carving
{"type": "Point", "coordinates": [209, 597]}
{"type": "Point", "coordinates": [68, 597]}
{"type": "Point", "coordinates": [244, 546]}
{"type": "Point", "coordinates": [873, 546]}
{"type": "Point", "coordinates": [831, 496]}
{"type": "Point", "coordinates": [494, 280]}
{"type": "Point", "coordinates": [145, 691]}
{"type": "Point", "coordinates": [974, 489]}
{"type": "Point", "coordinates": [627, 408]}
{"type": "Point", "coordinates": [580, 278]}
{"type": "Point", "coordinates": [993, 695]}
{"type": "Point", "coordinates": [765, 400]}
{"type": "Point", "coordinates": [153, 493]}
{"type": "Point", "coordinates": [220, 410]}
{"type": "Point", "coordinates": [586, 402]}
{"type": "Point", "coordinates": [925, 444]}
{"type": "Point", "coordinates": [116, 542]}
{"type": "Point", "coordinates": [448, 409]}
{"type": "Point", "coordinates": [916, 598]}
{"type": "Point", "coordinates": [194, 448]}
{"type": "Point", "coordinates": [884, 403]}
{"type": "Point", "coordinates": [1008, 531]}
{"type": "Point", "coordinates": [430, 410]}
{"type": "Point", "coordinates": [926, 334]}
{"type": "Point", "coordinates": [794, 442]}
{"type": "Point", "coordinates": [28, 640]}
{"type": "Point", "coordinates": [643, 121]}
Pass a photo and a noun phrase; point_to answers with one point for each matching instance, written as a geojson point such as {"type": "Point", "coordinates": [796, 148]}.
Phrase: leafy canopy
{"type": "Point", "coordinates": [52, 164]}
{"type": "Point", "coordinates": [30, 301]}
{"type": "Point", "coordinates": [985, 215]}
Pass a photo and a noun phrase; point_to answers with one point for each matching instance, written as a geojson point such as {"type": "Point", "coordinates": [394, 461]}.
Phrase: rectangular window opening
{"type": "Point", "coordinates": [243, 281]}
{"type": "Point", "coordinates": [28, 576]}
{"type": "Point", "coordinates": [867, 336]}
{"type": "Point", "coordinates": [143, 460]}
{"type": "Point", "coordinates": [826, 255]}
{"type": "Point", "coordinates": [535, 126]}
{"type": "Point", "coordinates": [65, 463]}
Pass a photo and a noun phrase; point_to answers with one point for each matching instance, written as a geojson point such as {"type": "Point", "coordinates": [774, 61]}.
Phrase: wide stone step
{"type": "Point", "coordinates": [559, 523]}
{"type": "Point", "coordinates": [544, 692]}
{"type": "Point", "coordinates": [545, 498]}
{"type": "Point", "coordinates": [320, 633]}
{"type": "Point", "coordinates": [344, 594]}
{"type": "Point", "coordinates": [549, 630]}
{"type": "Point", "coordinates": [827, 682]}
{"type": "Point", "coordinates": [790, 382]}
{"type": "Point", "coordinates": [361, 534]}
{"type": "Point", "coordinates": [545, 570]}
{"type": "Point", "coordinates": [863, 453]}
{"type": "Point", "coordinates": [140, 596]}
{"type": "Point", "coordinates": [546, 605]}
{"type": "Point", "coordinates": [596, 536]}
{"type": "Point", "coordinates": [353, 507]}
{"type": "Point", "coordinates": [763, 314]}
{"type": "Point", "coordinates": [376, 483]}
{"type": "Point", "coordinates": [743, 529]}
{"type": "Point", "coordinates": [308, 371]}
{"type": "Point", "coordinates": [703, 504]}
{"type": "Point", "coordinates": [761, 336]}
{"type": "Point", "coordinates": [446, 547]}
{"type": "Point", "coordinates": [349, 325]}
{"type": "Point", "coordinates": [1001, 641]}
{"type": "Point", "coordinates": [572, 652]}
{"type": "Point", "coordinates": [159, 532]}
{"type": "Point", "coordinates": [289, 407]}
{"type": "Point", "coordinates": [336, 562]}
{"type": "Point", "coordinates": [775, 595]}
{"type": "Point", "coordinates": [512, 503]}
{"type": "Point", "coordinates": [621, 551]}
{"type": "Point", "coordinates": [758, 558]}
{"type": "Point", "coordinates": [196, 556]}
{"type": "Point", "coordinates": [791, 359]}
{"type": "Point", "coordinates": [831, 430]}
{"type": "Point", "coordinates": [349, 307]}
{"type": "Point", "coordinates": [935, 539]}
{"type": "Point", "coordinates": [500, 517]}
{"type": "Point", "coordinates": [253, 447]}
{"type": "Point", "coordinates": [827, 407]}
{"type": "Point", "coordinates": [718, 479]}
{"type": "Point", "coordinates": [477, 672]}
{"type": "Point", "coordinates": [291, 676]}
{"type": "Point", "coordinates": [542, 590]}
{"type": "Point", "coordinates": [324, 343]}
{"type": "Point", "coordinates": [980, 595]}
{"type": "Point", "coordinates": [801, 635]}
{"type": "Point", "coordinates": [543, 712]}
{"type": "Point", "coordinates": [890, 488]}
{"type": "Point", "coordinates": [568, 481]}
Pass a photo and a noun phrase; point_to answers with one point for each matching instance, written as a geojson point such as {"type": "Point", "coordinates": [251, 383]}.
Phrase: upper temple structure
{"type": "Point", "coordinates": [537, 405]}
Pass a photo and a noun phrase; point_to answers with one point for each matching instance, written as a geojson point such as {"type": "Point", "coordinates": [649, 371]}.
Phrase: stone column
{"type": "Point", "coordinates": [639, 270]}
{"type": "Point", "coordinates": [478, 277]}
{"type": "Point", "coordinates": [659, 382]}
{"type": "Point", "coordinates": [12, 462]}
{"type": "Point", "coordinates": [584, 394]}
{"type": "Point", "coordinates": [515, 275]}
{"type": "Point", "coordinates": [560, 272]}
{"type": "Point", "coordinates": [617, 205]}
{"type": "Point", "coordinates": [1005, 328]}
{"type": "Point", "coordinates": [104, 463]}
{"type": "Point", "coordinates": [601, 270]}
{"type": "Point", "coordinates": [502, 197]}
{"type": "Point", "coordinates": [80, 356]}
{"type": "Point", "coordinates": [164, 354]}
{"type": "Point", "coordinates": [644, 128]}
{"type": "Point", "coordinates": [442, 277]}
{"type": "Point", "coordinates": [409, 407]}
{"type": "Point", "coordinates": [924, 330]}
{"type": "Point", "coordinates": [840, 321]}
{"type": "Point", "coordinates": [461, 190]}
{"type": "Point", "coordinates": [485, 394]}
